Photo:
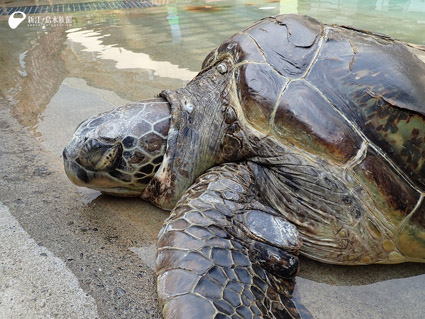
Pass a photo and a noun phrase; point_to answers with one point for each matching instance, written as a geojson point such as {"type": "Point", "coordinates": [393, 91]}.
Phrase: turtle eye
{"type": "Point", "coordinates": [222, 68]}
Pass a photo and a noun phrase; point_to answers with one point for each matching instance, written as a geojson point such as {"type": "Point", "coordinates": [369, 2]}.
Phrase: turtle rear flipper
{"type": "Point", "coordinates": [218, 256]}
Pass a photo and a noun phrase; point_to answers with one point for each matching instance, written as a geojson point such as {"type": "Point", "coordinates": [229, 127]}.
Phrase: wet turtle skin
{"type": "Point", "coordinates": [295, 138]}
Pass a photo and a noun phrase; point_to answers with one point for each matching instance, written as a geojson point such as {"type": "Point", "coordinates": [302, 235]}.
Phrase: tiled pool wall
{"type": "Point", "coordinates": [76, 7]}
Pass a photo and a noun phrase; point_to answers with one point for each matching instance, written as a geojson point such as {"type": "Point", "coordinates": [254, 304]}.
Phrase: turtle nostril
{"type": "Point", "coordinates": [64, 154]}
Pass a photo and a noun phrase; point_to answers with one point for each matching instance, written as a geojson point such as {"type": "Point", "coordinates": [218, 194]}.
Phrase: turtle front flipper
{"type": "Point", "coordinates": [224, 254]}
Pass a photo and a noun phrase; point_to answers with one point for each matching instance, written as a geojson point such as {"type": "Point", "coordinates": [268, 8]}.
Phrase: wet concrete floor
{"type": "Point", "coordinates": [68, 252]}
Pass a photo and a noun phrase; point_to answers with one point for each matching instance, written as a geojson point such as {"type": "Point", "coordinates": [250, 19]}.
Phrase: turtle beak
{"type": "Point", "coordinates": [97, 155]}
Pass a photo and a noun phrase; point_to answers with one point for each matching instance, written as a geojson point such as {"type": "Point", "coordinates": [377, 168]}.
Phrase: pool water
{"type": "Point", "coordinates": [54, 76]}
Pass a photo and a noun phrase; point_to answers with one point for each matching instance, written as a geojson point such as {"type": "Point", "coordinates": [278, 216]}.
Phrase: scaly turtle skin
{"type": "Point", "coordinates": [296, 137]}
{"type": "Point", "coordinates": [118, 152]}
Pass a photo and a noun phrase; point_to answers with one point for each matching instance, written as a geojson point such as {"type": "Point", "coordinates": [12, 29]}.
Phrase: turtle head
{"type": "Point", "coordinates": [118, 152]}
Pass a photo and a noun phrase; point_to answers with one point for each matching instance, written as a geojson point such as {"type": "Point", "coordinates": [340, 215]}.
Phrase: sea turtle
{"type": "Point", "coordinates": [296, 137]}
